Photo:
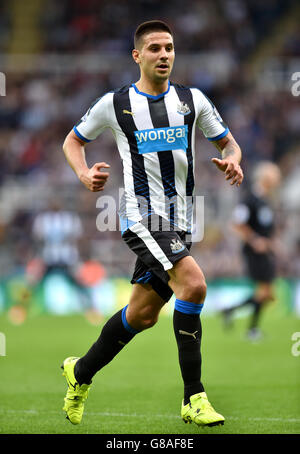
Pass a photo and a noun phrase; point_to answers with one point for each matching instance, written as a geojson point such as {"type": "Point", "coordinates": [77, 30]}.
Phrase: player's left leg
{"type": "Point", "coordinates": [188, 283]}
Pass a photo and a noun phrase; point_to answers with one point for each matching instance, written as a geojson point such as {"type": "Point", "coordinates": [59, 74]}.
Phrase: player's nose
{"type": "Point", "coordinates": [164, 54]}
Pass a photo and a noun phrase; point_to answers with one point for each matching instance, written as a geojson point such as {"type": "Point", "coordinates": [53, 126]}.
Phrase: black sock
{"type": "Point", "coordinates": [114, 336]}
{"type": "Point", "coordinates": [188, 333]}
{"type": "Point", "coordinates": [257, 306]}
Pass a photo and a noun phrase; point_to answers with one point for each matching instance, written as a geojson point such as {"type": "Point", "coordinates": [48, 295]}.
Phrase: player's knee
{"type": "Point", "coordinates": [265, 295]}
{"type": "Point", "coordinates": [148, 318]}
{"type": "Point", "coordinates": [147, 323]}
{"type": "Point", "coordinates": [267, 298]}
{"type": "Point", "coordinates": [196, 292]}
{"type": "Point", "coordinates": [144, 320]}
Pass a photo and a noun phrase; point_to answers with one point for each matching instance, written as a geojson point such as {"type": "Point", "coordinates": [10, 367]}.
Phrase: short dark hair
{"type": "Point", "coordinates": [148, 27]}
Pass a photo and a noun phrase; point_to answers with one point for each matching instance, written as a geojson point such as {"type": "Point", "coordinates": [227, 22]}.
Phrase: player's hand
{"type": "Point", "coordinates": [231, 168]}
{"type": "Point", "coordinates": [94, 179]}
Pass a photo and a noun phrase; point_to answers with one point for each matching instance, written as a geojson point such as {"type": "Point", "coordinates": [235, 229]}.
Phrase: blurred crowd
{"type": "Point", "coordinates": [40, 108]}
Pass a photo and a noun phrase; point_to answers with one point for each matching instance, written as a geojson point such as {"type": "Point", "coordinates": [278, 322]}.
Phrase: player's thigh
{"type": "Point", "coordinates": [144, 304]}
{"type": "Point", "coordinates": [187, 280]}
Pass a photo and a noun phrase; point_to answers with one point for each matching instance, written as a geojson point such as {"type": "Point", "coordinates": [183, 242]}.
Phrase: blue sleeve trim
{"type": "Point", "coordinates": [212, 139]}
{"type": "Point", "coordinates": [126, 324]}
{"type": "Point", "coordinates": [188, 308]}
{"type": "Point", "coordinates": [79, 135]}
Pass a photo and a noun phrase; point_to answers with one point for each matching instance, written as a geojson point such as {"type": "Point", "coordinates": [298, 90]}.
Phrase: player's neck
{"type": "Point", "coordinates": [151, 88]}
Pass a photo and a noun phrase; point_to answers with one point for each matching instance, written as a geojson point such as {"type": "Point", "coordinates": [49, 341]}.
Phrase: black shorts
{"type": "Point", "coordinates": [157, 252]}
{"type": "Point", "coordinates": [261, 267]}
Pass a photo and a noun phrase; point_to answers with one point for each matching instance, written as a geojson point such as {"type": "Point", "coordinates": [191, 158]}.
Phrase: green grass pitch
{"type": "Point", "coordinates": [255, 386]}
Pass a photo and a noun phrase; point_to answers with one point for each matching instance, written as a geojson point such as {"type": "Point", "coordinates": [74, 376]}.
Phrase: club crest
{"type": "Point", "coordinates": [176, 246]}
{"type": "Point", "coordinates": [183, 108]}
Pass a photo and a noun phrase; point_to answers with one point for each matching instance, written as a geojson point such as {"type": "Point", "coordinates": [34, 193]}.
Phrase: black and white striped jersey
{"type": "Point", "coordinates": [155, 136]}
{"type": "Point", "coordinates": [59, 231]}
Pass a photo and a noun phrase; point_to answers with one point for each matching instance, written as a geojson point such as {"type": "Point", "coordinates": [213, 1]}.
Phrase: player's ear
{"type": "Point", "coordinates": [136, 55]}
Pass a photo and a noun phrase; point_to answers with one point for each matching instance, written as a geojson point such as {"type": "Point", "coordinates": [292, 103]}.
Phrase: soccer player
{"type": "Point", "coordinates": [153, 122]}
{"type": "Point", "coordinates": [254, 225]}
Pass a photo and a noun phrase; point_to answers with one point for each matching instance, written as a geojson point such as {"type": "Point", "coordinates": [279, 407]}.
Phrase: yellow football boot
{"type": "Point", "coordinates": [76, 394]}
{"type": "Point", "coordinates": [200, 411]}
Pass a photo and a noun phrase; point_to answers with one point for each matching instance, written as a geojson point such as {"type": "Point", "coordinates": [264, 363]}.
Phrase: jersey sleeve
{"type": "Point", "coordinates": [209, 119]}
{"type": "Point", "coordinates": [95, 120]}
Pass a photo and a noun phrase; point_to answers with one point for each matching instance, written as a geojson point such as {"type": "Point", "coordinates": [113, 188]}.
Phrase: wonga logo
{"type": "Point", "coordinates": [162, 139]}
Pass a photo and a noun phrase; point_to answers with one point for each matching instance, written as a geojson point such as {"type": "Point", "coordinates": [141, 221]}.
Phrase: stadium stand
{"type": "Point", "coordinates": [71, 52]}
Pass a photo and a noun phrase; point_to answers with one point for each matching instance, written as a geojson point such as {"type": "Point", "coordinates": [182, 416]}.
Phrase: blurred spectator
{"type": "Point", "coordinates": [59, 231]}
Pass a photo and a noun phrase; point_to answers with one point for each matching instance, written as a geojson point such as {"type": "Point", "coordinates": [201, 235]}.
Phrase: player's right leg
{"type": "Point", "coordinates": [141, 313]}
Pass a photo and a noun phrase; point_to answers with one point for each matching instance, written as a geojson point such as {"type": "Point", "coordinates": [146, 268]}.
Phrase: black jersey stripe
{"type": "Point", "coordinates": [185, 95]}
{"type": "Point", "coordinates": [160, 119]}
{"type": "Point", "coordinates": [121, 102]}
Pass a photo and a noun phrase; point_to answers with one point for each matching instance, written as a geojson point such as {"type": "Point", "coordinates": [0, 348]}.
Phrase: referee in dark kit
{"type": "Point", "coordinates": [254, 224]}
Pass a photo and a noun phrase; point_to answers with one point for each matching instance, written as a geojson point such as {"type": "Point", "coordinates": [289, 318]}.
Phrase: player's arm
{"type": "Point", "coordinates": [216, 131]}
{"type": "Point", "coordinates": [92, 178]}
{"type": "Point", "coordinates": [231, 158]}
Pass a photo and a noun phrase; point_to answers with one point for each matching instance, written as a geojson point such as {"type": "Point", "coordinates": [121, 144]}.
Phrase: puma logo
{"type": "Point", "coordinates": [188, 334]}
{"type": "Point", "coordinates": [125, 111]}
